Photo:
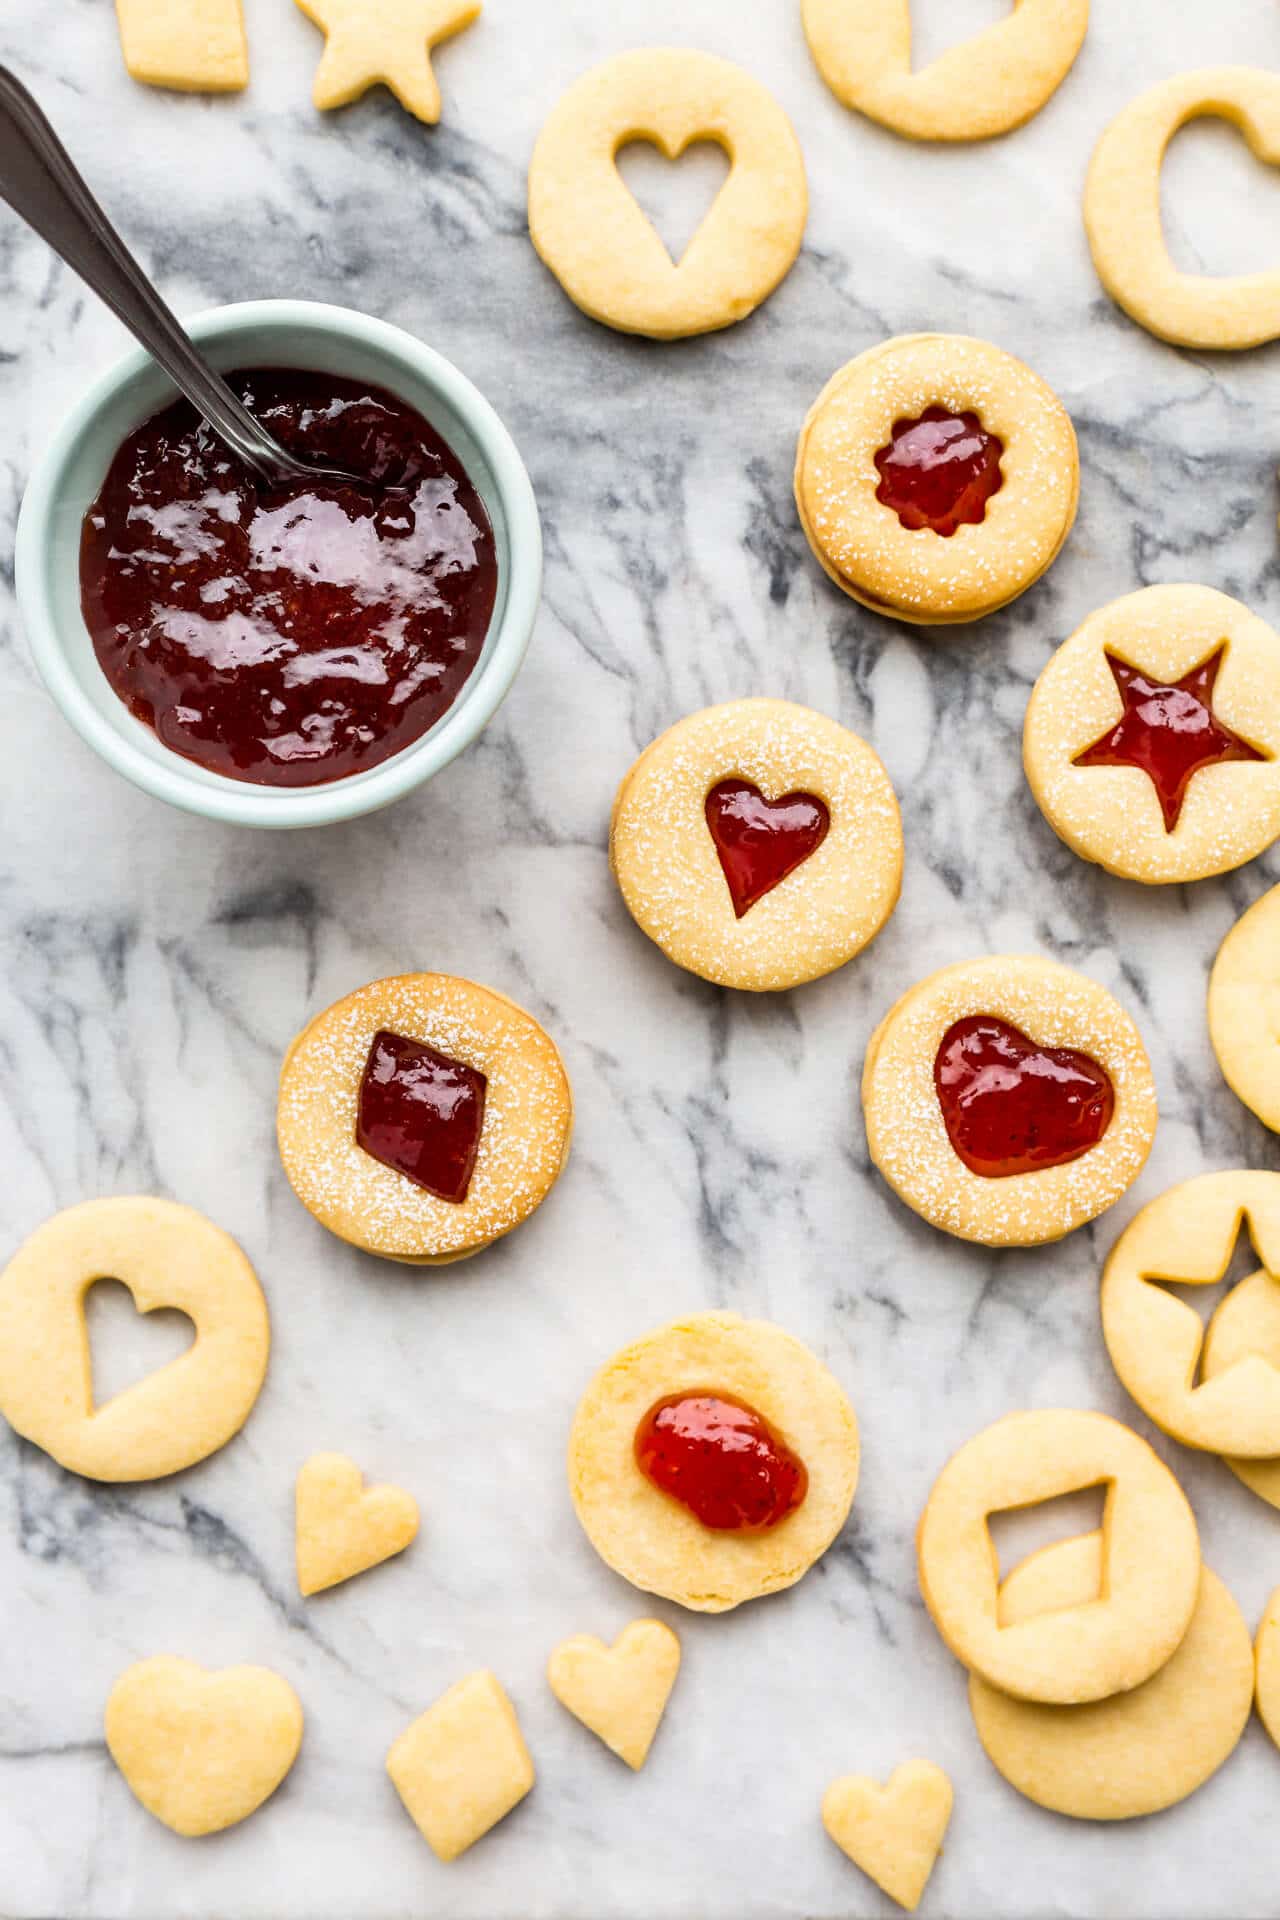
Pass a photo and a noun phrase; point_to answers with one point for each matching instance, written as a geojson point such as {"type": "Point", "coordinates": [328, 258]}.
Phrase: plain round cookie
{"type": "Point", "coordinates": [918, 575]}
{"type": "Point", "coordinates": [1267, 1668]}
{"type": "Point", "coordinates": [907, 1135]}
{"type": "Point", "coordinates": [651, 1539]}
{"type": "Point", "coordinates": [1123, 221]}
{"type": "Point", "coordinates": [590, 230]}
{"type": "Point", "coordinates": [1244, 1008]}
{"type": "Point", "coordinates": [665, 862]}
{"type": "Point", "coordinates": [1137, 1752]}
{"type": "Point", "coordinates": [1078, 1653]}
{"type": "Point", "coordinates": [1186, 1237]}
{"type": "Point", "coordinates": [1112, 815]}
{"type": "Point", "coordinates": [1247, 1322]}
{"type": "Point", "coordinates": [524, 1143]}
{"type": "Point", "coordinates": [990, 83]}
{"type": "Point", "coordinates": [167, 1256]}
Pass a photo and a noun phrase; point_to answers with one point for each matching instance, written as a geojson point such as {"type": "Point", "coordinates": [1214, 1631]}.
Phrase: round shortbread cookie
{"type": "Point", "coordinates": [1244, 1008]}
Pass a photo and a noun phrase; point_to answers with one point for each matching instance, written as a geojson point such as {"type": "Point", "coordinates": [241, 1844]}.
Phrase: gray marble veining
{"type": "Point", "coordinates": [152, 969]}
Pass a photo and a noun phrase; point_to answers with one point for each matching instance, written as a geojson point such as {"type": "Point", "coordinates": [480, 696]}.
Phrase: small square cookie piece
{"type": "Point", "coordinates": [462, 1766]}
{"type": "Point", "coordinates": [197, 46]}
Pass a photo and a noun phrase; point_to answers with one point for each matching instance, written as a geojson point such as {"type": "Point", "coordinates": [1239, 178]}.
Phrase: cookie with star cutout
{"type": "Point", "coordinates": [368, 42]}
{"type": "Point", "coordinates": [1152, 738]}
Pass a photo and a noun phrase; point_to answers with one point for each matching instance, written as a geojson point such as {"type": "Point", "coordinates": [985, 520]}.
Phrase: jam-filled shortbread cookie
{"type": "Point", "coordinates": [201, 1750]}
{"type": "Point", "coordinates": [167, 1256]}
{"type": "Point", "coordinates": [1115, 1639]}
{"type": "Point", "coordinates": [1122, 211]}
{"type": "Point", "coordinates": [1008, 1100]}
{"type": "Point", "coordinates": [589, 227]}
{"type": "Point", "coordinates": [936, 478]}
{"type": "Point", "coordinates": [1136, 1752]}
{"type": "Point", "coordinates": [368, 42]}
{"type": "Point", "coordinates": [1152, 735]}
{"type": "Point", "coordinates": [713, 1461]}
{"type": "Point", "coordinates": [1244, 1008]}
{"type": "Point", "coordinates": [1187, 1238]}
{"type": "Point", "coordinates": [759, 844]}
{"type": "Point", "coordinates": [423, 1117]}
{"type": "Point", "coordinates": [895, 1832]}
{"type": "Point", "coordinates": [984, 86]}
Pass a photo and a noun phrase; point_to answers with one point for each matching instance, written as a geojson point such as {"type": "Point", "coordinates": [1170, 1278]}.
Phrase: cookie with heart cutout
{"type": "Point", "coordinates": [936, 478]}
{"type": "Point", "coordinates": [422, 1117]}
{"type": "Point", "coordinates": [713, 1461]}
{"type": "Point", "coordinates": [1008, 1100]}
{"type": "Point", "coordinates": [167, 1256]}
{"type": "Point", "coordinates": [1152, 736]}
{"type": "Point", "coordinates": [895, 1832]}
{"type": "Point", "coordinates": [202, 1750]}
{"type": "Point", "coordinates": [590, 230]}
{"type": "Point", "coordinates": [758, 843]}
{"type": "Point", "coordinates": [619, 1692]}
{"type": "Point", "coordinates": [1136, 1752]}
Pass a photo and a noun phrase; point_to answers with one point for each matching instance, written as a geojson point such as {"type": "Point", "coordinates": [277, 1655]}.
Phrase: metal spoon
{"type": "Point", "coordinates": [42, 185]}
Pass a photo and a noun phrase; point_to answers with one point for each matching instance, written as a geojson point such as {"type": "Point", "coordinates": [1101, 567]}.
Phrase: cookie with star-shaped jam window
{"type": "Point", "coordinates": [758, 844]}
{"type": "Point", "coordinates": [1152, 738]}
{"type": "Point", "coordinates": [423, 1117]}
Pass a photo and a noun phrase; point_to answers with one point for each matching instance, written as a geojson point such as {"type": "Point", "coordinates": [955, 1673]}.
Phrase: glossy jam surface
{"type": "Point", "coordinates": [422, 1114]}
{"type": "Point", "coordinates": [761, 841]}
{"type": "Point", "coordinates": [939, 471]}
{"type": "Point", "coordinates": [1011, 1106]}
{"type": "Point", "coordinates": [289, 636]}
{"type": "Point", "coordinates": [1169, 732]}
{"type": "Point", "coordinates": [719, 1458]}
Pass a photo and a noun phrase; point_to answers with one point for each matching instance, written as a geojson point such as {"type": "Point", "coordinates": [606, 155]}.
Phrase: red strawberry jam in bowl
{"type": "Point", "coordinates": [720, 1458]}
{"type": "Point", "coordinates": [282, 659]}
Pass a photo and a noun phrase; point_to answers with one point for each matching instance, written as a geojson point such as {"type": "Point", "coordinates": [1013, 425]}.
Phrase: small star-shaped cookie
{"type": "Point", "coordinates": [368, 41]}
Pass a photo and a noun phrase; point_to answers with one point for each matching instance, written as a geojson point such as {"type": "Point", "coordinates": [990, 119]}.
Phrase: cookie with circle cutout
{"type": "Point", "coordinates": [619, 1692]}
{"type": "Point", "coordinates": [590, 230]}
{"type": "Point", "coordinates": [1187, 1238]}
{"type": "Point", "coordinates": [1152, 737]}
{"type": "Point", "coordinates": [754, 1430]}
{"type": "Point", "coordinates": [1151, 1552]}
{"type": "Point", "coordinates": [985, 86]}
{"type": "Point", "coordinates": [202, 1750]}
{"type": "Point", "coordinates": [167, 1256]}
{"type": "Point", "coordinates": [342, 1527]}
{"type": "Point", "coordinates": [1137, 1752]}
{"type": "Point", "coordinates": [1246, 1326]}
{"type": "Point", "coordinates": [895, 1832]}
{"type": "Point", "coordinates": [759, 844]}
{"type": "Point", "coordinates": [1008, 1100]}
{"type": "Point", "coordinates": [936, 478]}
{"type": "Point", "coordinates": [1244, 1008]}
{"type": "Point", "coordinates": [1122, 211]}
{"type": "Point", "coordinates": [422, 1117]}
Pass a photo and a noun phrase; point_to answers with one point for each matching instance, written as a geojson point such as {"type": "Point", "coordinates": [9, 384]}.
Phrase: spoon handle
{"type": "Point", "coordinates": [41, 183]}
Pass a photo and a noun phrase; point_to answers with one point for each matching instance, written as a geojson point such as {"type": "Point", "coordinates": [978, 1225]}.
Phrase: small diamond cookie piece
{"type": "Point", "coordinates": [462, 1766]}
{"type": "Point", "coordinates": [895, 1832]}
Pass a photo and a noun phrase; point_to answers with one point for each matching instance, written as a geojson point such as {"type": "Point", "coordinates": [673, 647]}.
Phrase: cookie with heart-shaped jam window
{"type": "Point", "coordinates": [422, 1117]}
{"type": "Point", "coordinates": [713, 1461]}
{"type": "Point", "coordinates": [1008, 1100]}
{"type": "Point", "coordinates": [758, 844]}
{"type": "Point", "coordinates": [936, 478]}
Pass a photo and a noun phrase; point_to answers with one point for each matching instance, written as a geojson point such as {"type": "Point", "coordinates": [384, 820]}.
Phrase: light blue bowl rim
{"type": "Point", "coordinates": [240, 802]}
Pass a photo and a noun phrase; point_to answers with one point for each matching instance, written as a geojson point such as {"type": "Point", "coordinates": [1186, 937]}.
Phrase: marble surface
{"type": "Point", "coordinates": [152, 969]}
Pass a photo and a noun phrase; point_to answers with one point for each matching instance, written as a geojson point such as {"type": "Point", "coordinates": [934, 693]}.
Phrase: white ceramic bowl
{"type": "Point", "coordinates": [289, 333]}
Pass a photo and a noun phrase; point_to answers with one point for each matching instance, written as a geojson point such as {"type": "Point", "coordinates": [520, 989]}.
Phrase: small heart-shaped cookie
{"type": "Point", "coordinates": [621, 1691]}
{"type": "Point", "coordinates": [344, 1527]}
{"type": "Point", "coordinates": [894, 1833]}
{"type": "Point", "coordinates": [202, 1750]}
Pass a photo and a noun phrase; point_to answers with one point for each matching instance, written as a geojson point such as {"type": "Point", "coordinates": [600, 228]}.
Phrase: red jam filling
{"type": "Point", "coordinates": [294, 635]}
{"type": "Point", "coordinates": [940, 471]}
{"type": "Point", "coordinates": [1169, 732]}
{"type": "Point", "coordinates": [1010, 1106]}
{"type": "Point", "coordinates": [721, 1460]}
{"type": "Point", "coordinates": [421, 1113]}
{"type": "Point", "coordinates": [761, 841]}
